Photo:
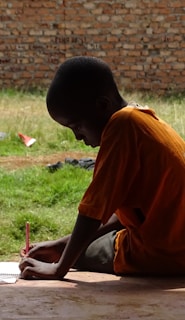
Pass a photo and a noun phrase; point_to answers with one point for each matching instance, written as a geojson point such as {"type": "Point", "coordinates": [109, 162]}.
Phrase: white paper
{"type": "Point", "coordinates": [9, 272]}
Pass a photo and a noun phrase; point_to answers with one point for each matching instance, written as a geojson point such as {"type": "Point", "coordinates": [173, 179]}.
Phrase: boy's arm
{"type": "Point", "coordinates": [85, 231]}
{"type": "Point", "coordinates": [112, 224]}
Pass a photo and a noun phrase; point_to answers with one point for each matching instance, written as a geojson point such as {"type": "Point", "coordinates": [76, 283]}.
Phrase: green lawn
{"type": "Point", "coordinates": [47, 200]}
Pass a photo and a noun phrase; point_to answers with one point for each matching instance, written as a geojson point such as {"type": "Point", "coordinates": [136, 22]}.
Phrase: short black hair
{"type": "Point", "coordinates": [80, 80]}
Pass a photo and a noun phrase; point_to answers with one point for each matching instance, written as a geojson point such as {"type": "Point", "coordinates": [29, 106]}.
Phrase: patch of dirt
{"type": "Point", "coordinates": [15, 162]}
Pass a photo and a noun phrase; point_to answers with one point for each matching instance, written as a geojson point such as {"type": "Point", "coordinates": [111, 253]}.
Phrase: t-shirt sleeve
{"type": "Point", "coordinates": [117, 165]}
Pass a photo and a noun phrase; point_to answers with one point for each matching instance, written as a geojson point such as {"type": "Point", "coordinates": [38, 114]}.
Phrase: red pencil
{"type": "Point", "coordinates": [27, 236]}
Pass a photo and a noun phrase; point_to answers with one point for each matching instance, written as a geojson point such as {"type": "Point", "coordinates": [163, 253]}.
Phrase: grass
{"type": "Point", "coordinates": [27, 113]}
{"type": "Point", "coordinates": [49, 201]}
{"type": "Point", "coordinates": [169, 108]}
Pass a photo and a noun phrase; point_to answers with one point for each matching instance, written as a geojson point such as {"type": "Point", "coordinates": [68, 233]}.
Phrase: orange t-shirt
{"type": "Point", "coordinates": [140, 176]}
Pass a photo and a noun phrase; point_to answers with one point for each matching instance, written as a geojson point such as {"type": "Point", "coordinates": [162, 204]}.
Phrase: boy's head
{"type": "Point", "coordinates": [82, 96]}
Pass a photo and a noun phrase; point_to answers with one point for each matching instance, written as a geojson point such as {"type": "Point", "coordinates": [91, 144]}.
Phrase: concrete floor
{"type": "Point", "coordinates": [85, 295]}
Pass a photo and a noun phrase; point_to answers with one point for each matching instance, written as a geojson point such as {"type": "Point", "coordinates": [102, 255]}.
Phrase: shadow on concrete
{"type": "Point", "coordinates": [85, 296]}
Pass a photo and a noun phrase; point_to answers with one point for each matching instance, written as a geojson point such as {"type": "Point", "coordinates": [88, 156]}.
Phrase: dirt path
{"type": "Point", "coordinates": [15, 162]}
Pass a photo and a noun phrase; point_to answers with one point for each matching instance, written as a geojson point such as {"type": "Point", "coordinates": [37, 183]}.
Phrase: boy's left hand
{"type": "Point", "coordinates": [31, 268]}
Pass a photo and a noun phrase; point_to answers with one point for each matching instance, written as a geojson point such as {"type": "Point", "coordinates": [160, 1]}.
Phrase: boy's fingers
{"type": "Point", "coordinates": [30, 270]}
{"type": "Point", "coordinates": [35, 253]}
{"type": "Point", "coordinates": [25, 263]}
{"type": "Point", "coordinates": [23, 251]}
{"type": "Point", "coordinates": [41, 254]}
{"type": "Point", "coordinates": [28, 273]}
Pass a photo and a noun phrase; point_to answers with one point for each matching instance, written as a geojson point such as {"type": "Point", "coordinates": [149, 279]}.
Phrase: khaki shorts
{"type": "Point", "coordinates": [99, 255]}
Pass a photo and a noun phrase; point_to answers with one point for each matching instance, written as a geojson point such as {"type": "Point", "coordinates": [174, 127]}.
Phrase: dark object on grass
{"type": "Point", "coordinates": [54, 167]}
{"type": "Point", "coordinates": [86, 163]}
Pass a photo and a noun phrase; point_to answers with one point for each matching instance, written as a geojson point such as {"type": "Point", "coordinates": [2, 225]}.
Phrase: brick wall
{"type": "Point", "coordinates": [142, 40]}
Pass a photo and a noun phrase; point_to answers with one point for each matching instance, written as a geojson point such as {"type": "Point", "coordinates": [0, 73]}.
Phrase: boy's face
{"type": "Point", "coordinates": [86, 127]}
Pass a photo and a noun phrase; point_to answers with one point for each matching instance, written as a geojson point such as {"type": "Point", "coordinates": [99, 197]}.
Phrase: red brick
{"type": "Point", "coordinates": [138, 39]}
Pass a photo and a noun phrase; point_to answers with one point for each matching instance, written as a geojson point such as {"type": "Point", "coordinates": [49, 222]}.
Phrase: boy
{"type": "Point", "coordinates": [132, 216]}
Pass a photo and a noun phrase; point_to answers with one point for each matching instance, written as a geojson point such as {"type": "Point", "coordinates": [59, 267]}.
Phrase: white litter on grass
{"type": "Point", "coordinates": [3, 135]}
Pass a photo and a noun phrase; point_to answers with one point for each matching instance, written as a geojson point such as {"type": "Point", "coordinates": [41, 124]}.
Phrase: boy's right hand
{"type": "Point", "coordinates": [48, 251]}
